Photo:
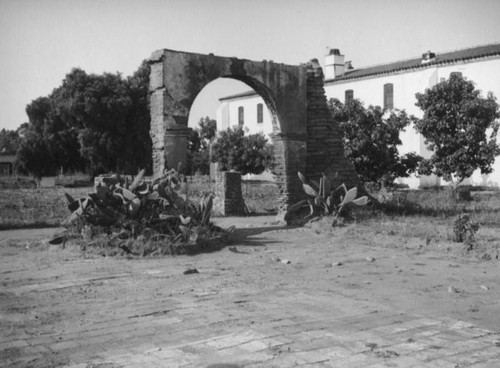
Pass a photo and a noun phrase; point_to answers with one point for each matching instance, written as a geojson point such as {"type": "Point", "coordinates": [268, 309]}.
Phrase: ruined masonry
{"type": "Point", "coordinates": [228, 197]}
{"type": "Point", "coordinates": [304, 136]}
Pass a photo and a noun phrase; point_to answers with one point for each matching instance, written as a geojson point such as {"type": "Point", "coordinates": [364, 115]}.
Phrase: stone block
{"type": "Point", "coordinates": [228, 195]}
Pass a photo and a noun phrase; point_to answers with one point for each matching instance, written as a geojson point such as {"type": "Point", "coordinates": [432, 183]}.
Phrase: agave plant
{"type": "Point", "coordinates": [159, 206]}
{"type": "Point", "coordinates": [331, 202]}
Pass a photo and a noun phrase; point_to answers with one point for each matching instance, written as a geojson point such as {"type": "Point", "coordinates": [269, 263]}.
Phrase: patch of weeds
{"type": "Point", "coordinates": [464, 230]}
{"type": "Point", "coordinates": [261, 198]}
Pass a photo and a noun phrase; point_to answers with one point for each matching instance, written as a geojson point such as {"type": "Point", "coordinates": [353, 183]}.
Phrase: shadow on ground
{"type": "Point", "coordinates": [245, 236]}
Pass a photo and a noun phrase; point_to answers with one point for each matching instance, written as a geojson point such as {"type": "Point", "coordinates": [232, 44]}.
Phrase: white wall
{"type": "Point", "coordinates": [485, 74]}
{"type": "Point", "coordinates": [227, 115]}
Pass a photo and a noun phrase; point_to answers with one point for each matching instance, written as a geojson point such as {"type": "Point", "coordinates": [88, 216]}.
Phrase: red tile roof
{"type": "Point", "coordinates": [442, 58]}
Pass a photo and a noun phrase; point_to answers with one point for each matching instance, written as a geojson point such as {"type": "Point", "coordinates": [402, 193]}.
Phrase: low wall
{"type": "Point", "coordinates": [36, 207]}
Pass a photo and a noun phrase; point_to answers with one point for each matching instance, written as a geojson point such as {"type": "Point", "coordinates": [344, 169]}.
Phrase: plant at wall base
{"type": "Point", "coordinates": [325, 200]}
{"type": "Point", "coordinates": [464, 230]}
{"type": "Point", "coordinates": [371, 139]}
{"type": "Point", "coordinates": [460, 128]}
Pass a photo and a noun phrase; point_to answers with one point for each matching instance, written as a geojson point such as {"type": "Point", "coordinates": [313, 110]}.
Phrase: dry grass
{"type": "Point", "coordinates": [427, 214]}
{"type": "Point", "coordinates": [430, 214]}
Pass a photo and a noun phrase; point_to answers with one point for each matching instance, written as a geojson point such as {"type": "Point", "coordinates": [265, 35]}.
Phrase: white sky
{"type": "Point", "coordinates": [42, 40]}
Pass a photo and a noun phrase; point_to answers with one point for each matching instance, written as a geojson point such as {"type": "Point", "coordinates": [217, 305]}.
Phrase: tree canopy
{"type": "Point", "coordinates": [233, 150]}
{"type": "Point", "coordinates": [371, 139]}
{"type": "Point", "coordinates": [459, 127]}
{"type": "Point", "coordinates": [9, 141]}
{"type": "Point", "coordinates": [97, 123]}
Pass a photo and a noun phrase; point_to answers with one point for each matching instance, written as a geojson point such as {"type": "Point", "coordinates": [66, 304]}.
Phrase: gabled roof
{"type": "Point", "coordinates": [239, 96]}
{"type": "Point", "coordinates": [416, 63]}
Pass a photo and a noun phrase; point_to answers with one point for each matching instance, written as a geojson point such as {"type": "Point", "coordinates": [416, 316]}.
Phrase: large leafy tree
{"type": "Point", "coordinates": [97, 107]}
{"type": "Point", "coordinates": [139, 121]}
{"type": "Point", "coordinates": [34, 156]}
{"type": "Point", "coordinates": [47, 145]}
{"type": "Point", "coordinates": [95, 122]}
{"type": "Point", "coordinates": [459, 127]}
{"type": "Point", "coordinates": [371, 139]}
{"type": "Point", "coordinates": [250, 154]}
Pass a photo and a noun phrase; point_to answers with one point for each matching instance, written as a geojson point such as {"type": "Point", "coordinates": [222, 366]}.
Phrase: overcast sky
{"type": "Point", "coordinates": [42, 40]}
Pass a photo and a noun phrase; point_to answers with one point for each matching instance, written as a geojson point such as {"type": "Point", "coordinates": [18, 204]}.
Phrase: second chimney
{"type": "Point", "coordinates": [334, 64]}
{"type": "Point", "coordinates": [428, 57]}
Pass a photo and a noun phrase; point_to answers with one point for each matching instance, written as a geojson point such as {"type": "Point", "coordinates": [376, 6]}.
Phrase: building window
{"type": "Point", "coordinates": [241, 116]}
{"type": "Point", "coordinates": [388, 96]}
{"type": "Point", "coordinates": [260, 113]}
{"type": "Point", "coordinates": [349, 95]}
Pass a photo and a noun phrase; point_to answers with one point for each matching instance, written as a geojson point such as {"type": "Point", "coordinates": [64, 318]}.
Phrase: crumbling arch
{"type": "Point", "coordinates": [304, 138]}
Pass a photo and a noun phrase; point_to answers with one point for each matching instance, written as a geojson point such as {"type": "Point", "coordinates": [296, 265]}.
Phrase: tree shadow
{"type": "Point", "coordinates": [239, 238]}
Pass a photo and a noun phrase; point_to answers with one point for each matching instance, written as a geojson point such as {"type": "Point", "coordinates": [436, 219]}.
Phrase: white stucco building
{"type": "Point", "coordinates": [394, 85]}
{"type": "Point", "coordinates": [244, 109]}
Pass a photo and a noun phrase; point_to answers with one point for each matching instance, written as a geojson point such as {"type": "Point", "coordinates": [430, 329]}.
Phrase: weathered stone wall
{"type": "Point", "coordinates": [178, 77]}
{"type": "Point", "coordinates": [325, 150]}
{"type": "Point", "coordinates": [305, 137]}
{"type": "Point", "coordinates": [290, 157]}
{"type": "Point", "coordinates": [228, 196]}
{"type": "Point", "coordinates": [36, 207]}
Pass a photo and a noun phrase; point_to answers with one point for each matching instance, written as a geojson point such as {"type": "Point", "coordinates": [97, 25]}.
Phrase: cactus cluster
{"type": "Point", "coordinates": [330, 202]}
{"type": "Point", "coordinates": [156, 211]}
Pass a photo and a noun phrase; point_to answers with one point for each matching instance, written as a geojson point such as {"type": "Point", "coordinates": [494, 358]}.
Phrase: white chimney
{"type": "Point", "coordinates": [334, 64]}
{"type": "Point", "coordinates": [428, 57]}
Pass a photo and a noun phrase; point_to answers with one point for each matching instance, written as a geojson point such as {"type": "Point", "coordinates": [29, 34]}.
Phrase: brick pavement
{"type": "Point", "coordinates": [290, 328]}
{"type": "Point", "coordinates": [285, 325]}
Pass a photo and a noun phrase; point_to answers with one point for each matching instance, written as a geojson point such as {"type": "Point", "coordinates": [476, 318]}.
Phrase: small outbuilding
{"type": "Point", "coordinates": [7, 165]}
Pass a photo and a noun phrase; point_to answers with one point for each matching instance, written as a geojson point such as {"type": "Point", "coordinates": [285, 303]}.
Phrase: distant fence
{"type": "Point", "coordinates": [25, 182]}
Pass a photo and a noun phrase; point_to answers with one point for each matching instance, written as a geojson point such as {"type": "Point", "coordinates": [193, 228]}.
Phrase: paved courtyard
{"type": "Point", "coordinates": [277, 297]}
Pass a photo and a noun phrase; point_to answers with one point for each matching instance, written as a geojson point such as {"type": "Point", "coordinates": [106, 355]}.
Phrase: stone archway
{"type": "Point", "coordinates": [305, 139]}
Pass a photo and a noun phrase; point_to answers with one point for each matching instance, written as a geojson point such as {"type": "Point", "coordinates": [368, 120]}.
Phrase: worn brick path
{"type": "Point", "coordinates": [275, 324]}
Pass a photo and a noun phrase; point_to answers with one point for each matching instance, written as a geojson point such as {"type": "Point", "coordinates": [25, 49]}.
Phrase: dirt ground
{"type": "Point", "coordinates": [48, 292]}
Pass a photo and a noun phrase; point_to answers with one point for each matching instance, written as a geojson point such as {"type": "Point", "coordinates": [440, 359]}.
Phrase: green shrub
{"type": "Point", "coordinates": [464, 230]}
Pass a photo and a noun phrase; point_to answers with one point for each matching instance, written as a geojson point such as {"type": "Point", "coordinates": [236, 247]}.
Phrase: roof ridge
{"type": "Point", "coordinates": [248, 93]}
{"type": "Point", "coordinates": [445, 57]}
{"type": "Point", "coordinates": [382, 64]}
{"type": "Point", "coordinates": [420, 57]}
{"type": "Point", "coordinates": [469, 48]}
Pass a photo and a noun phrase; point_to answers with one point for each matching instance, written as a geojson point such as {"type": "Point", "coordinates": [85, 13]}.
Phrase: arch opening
{"type": "Point", "coordinates": [230, 103]}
